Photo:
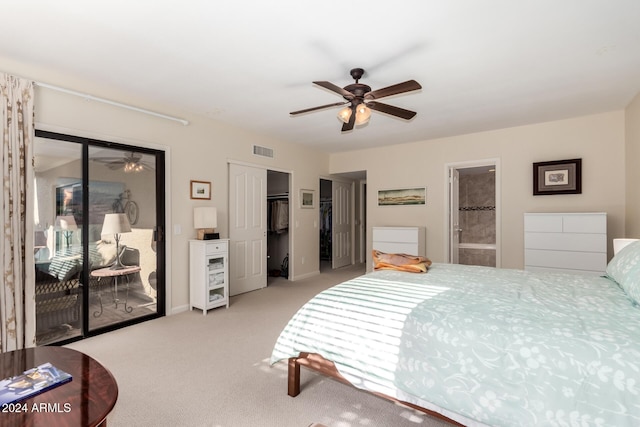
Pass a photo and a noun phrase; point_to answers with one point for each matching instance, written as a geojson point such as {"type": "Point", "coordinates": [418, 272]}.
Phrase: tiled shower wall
{"type": "Point", "coordinates": [477, 218]}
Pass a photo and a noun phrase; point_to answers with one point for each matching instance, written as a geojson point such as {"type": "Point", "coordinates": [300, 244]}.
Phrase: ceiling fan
{"type": "Point", "coordinates": [362, 100]}
{"type": "Point", "coordinates": [130, 162]}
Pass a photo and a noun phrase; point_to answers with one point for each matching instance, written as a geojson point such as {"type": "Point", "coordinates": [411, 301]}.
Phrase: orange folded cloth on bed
{"type": "Point", "coordinates": [400, 262]}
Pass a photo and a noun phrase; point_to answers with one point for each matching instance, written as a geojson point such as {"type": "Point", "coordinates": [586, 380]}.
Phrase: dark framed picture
{"type": "Point", "coordinates": [557, 177]}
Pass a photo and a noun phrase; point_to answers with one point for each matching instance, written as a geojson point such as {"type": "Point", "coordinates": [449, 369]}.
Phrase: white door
{"type": "Point", "coordinates": [341, 224]}
{"type": "Point", "coordinates": [454, 214]}
{"type": "Point", "coordinates": [247, 228]}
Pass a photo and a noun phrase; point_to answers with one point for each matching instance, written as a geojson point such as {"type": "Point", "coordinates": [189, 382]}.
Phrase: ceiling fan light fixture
{"type": "Point", "coordinates": [363, 113]}
{"type": "Point", "coordinates": [356, 94]}
{"type": "Point", "coordinates": [345, 114]}
{"type": "Point", "coordinates": [133, 167]}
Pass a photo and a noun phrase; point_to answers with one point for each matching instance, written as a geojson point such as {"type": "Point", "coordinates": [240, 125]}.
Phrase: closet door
{"type": "Point", "coordinates": [247, 228]}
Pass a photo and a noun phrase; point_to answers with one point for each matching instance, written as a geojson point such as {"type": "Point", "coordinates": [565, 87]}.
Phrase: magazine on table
{"type": "Point", "coordinates": [31, 382]}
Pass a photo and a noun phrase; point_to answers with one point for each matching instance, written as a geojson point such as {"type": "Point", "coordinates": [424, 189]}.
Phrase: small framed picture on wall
{"type": "Point", "coordinates": [201, 190]}
{"type": "Point", "coordinates": [557, 177]}
{"type": "Point", "coordinates": [307, 199]}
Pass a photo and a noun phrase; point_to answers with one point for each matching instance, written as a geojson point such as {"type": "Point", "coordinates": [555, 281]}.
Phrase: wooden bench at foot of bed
{"type": "Point", "coordinates": [319, 364]}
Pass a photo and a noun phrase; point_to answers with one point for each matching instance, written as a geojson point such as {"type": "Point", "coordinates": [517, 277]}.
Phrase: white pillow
{"type": "Point", "coordinates": [624, 268]}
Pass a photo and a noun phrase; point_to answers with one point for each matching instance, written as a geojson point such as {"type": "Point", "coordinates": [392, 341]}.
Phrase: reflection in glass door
{"type": "Point", "coordinates": [102, 206]}
{"type": "Point", "coordinates": [58, 243]}
{"type": "Point", "coordinates": [122, 250]}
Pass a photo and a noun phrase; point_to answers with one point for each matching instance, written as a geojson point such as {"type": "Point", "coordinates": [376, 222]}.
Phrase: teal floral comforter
{"type": "Point", "coordinates": [498, 347]}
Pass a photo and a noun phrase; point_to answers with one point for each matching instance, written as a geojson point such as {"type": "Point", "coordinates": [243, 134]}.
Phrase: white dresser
{"type": "Point", "coordinates": [567, 242]}
{"type": "Point", "coordinates": [400, 240]}
{"type": "Point", "coordinates": [208, 274]}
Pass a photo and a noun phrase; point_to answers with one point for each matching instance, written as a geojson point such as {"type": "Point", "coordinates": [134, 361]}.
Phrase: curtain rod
{"type": "Point", "coordinates": [107, 101]}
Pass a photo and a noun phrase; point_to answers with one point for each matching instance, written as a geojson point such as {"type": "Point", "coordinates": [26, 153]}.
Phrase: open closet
{"type": "Point", "coordinates": [278, 224]}
{"type": "Point", "coordinates": [325, 224]}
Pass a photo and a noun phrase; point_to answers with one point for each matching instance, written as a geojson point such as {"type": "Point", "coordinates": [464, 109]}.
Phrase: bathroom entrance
{"type": "Point", "coordinates": [473, 213]}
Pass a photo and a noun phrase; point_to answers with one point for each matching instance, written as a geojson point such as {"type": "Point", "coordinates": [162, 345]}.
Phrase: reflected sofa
{"type": "Point", "coordinates": [58, 278]}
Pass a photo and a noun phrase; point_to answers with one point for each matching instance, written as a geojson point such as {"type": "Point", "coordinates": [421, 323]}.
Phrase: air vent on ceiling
{"type": "Point", "coordinates": [263, 151]}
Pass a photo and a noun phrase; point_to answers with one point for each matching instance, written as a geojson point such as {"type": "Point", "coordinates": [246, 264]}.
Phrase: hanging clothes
{"type": "Point", "coordinates": [279, 216]}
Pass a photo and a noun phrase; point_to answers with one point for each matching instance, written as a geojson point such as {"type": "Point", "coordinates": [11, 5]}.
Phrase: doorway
{"type": "Point", "coordinates": [325, 228]}
{"type": "Point", "coordinates": [341, 232]}
{"type": "Point", "coordinates": [99, 236]}
{"type": "Point", "coordinates": [473, 213]}
{"type": "Point", "coordinates": [278, 214]}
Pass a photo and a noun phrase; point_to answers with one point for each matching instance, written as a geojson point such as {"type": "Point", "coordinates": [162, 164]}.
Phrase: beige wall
{"type": "Point", "coordinates": [597, 139]}
{"type": "Point", "coordinates": [632, 136]}
{"type": "Point", "coordinates": [199, 151]}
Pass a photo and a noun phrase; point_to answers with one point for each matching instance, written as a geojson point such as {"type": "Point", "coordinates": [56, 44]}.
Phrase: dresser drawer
{"type": "Point", "coordinates": [584, 224]}
{"type": "Point", "coordinates": [543, 223]}
{"type": "Point", "coordinates": [400, 234]}
{"type": "Point", "coordinates": [585, 261]}
{"type": "Point", "coordinates": [581, 242]}
{"type": "Point", "coordinates": [215, 247]}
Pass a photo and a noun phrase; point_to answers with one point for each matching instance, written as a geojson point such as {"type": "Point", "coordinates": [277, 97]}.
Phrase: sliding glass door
{"type": "Point", "coordinates": [99, 222]}
{"type": "Point", "coordinates": [58, 240]}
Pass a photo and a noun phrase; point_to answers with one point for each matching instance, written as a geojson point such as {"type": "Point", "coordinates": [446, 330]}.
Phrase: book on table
{"type": "Point", "coordinates": [31, 382]}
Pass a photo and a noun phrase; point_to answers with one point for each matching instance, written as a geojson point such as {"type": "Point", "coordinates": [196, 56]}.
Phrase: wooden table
{"type": "Point", "coordinates": [115, 273]}
{"type": "Point", "coordinates": [84, 401]}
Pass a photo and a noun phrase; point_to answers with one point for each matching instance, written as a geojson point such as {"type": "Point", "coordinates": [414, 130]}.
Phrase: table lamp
{"type": "Point", "coordinates": [67, 224]}
{"type": "Point", "coordinates": [205, 220]}
{"type": "Point", "coordinates": [116, 223]}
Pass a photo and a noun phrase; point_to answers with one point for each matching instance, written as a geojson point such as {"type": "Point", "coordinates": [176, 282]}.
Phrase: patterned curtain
{"type": "Point", "coordinates": [17, 299]}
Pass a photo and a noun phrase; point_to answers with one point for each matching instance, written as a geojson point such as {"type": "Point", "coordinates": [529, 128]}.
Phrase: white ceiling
{"type": "Point", "coordinates": [482, 64]}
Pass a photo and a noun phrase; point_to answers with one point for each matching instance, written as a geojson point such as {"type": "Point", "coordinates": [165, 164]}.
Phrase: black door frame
{"type": "Point", "coordinates": [159, 232]}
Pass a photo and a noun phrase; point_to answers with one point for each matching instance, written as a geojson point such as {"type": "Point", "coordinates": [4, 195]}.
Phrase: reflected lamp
{"type": "Point", "coordinates": [66, 224]}
{"type": "Point", "coordinates": [116, 224]}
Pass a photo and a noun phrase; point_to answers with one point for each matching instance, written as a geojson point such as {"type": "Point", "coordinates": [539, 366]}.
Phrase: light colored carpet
{"type": "Point", "coordinates": [195, 370]}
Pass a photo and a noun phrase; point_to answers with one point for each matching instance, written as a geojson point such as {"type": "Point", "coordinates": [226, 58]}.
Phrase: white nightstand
{"type": "Point", "coordinates": [208, 274]}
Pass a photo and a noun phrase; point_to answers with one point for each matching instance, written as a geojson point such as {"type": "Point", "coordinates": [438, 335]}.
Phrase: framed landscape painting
{"type": "Point", "coordinates": [403, 197]}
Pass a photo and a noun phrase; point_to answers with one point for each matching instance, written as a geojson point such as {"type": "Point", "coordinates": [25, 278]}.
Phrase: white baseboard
{"type": "Point", "coordinates": [305, 276]}
{"type": "Point", "coordinates": [179, 309]}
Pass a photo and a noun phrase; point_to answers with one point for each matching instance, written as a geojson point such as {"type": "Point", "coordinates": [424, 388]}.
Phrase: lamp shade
{"type": "Point", "coordinates": [345, 114]}
{"type": "Point", "coordinates": [115, 223]}
{"type": "Point", "coordinates": [66, 223]}
{"type": "Point", "coordinates": [618, 244]}
{"type": "Point", "coordinates": [362, 114]}
{"type": "Point", "coordinates": [205, 217]}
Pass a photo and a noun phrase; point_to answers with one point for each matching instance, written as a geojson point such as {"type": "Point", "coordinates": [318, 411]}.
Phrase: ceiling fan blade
{"type": "Point", "coordinates": [352, 120]}
{"type": "Point", "coordinates": [407, 86]}
{"type": "Point", "coordinates": [390, 109]}
{"type": "Point", "coordinates": [107, 159]}
{"type": "Point", "coordinates": [293, 113]}
{"type": "Point", "coordinates": [337, 89]}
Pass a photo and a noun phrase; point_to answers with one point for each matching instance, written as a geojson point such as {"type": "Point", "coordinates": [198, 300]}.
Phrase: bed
{"type": "Point", "coordinates": [482, 346]}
